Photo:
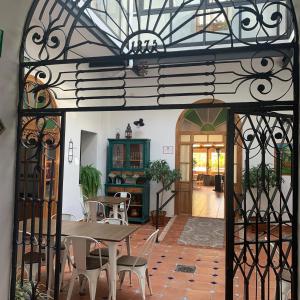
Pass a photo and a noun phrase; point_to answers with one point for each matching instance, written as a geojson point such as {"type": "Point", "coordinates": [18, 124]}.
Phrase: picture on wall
{"type": "Point", "coordinates": [286, 159]}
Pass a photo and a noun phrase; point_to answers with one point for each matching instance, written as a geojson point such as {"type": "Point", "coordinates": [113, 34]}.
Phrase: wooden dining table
{"type": "Point", "coordinates": [111, 201]}
{"type": "Point", "coordinates": [109, 233]}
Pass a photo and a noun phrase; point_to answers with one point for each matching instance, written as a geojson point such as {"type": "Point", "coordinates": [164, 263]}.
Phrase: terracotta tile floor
{"type": "Point", "coordinates": [208, 281]}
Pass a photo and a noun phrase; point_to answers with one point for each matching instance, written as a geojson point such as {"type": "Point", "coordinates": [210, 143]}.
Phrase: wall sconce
{"type": "Point", "coordinates": [139, 123]}
{"type": "Point", "coordinates": [70, 151]}
{"type": "Point", "coordinates": [1, 40]}
{"type": "Point", "coordinates": [2, 127]}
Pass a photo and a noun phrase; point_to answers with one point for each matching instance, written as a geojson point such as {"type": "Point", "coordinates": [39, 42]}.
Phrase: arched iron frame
{"type": "Point", "coordinates": [57, 31]}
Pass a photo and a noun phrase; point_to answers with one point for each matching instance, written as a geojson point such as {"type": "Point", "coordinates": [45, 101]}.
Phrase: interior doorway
{"type": "Point", "coordinates": [200, 155]}
{"type": "Point", "coordinates": [88, 148]}
{"type": "Point", "coordinates": [208, 179]}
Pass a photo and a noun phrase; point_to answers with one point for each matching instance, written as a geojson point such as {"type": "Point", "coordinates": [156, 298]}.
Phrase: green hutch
{"type": "Point", "coordinates": [126, 163]}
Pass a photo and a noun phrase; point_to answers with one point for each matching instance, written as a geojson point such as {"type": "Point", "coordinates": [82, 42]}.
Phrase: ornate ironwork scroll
{"type": "Point", "coordinates": [67, 29]}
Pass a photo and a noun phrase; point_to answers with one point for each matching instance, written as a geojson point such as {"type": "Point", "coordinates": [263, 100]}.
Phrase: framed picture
{"type": "Point", "coordinates": [167, 149]}
{"type": "Point", "coordinates": [286, 158]}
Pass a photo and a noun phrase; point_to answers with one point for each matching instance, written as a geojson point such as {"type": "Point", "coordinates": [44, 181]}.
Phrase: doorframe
{"type": "Point", "coordinates": [192, 133]}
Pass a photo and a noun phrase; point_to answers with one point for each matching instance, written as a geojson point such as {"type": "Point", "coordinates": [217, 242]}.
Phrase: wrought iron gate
{"type": "Point", "coordinates": [261, 206]}
{"type": "Point", "coordinates": [39, 181]}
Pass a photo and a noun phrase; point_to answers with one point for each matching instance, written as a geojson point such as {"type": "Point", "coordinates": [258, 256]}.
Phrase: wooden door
{"type": "Point", "coordinates": [183, 202]}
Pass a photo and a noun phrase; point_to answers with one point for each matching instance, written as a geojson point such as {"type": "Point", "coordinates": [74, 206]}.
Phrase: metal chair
{"type": "Point", "coordinates": [31, 259]}
{"type": "Point", "coordinates": [88, 266]}
{"type": "Point", "coordinates": [123, 207]}
{"type": "Point", "coordinates": [64, 257]}
{"type": "Point", "coordinates": [138, 264]}
{"type": "Point", "coordinates": [94, 210]}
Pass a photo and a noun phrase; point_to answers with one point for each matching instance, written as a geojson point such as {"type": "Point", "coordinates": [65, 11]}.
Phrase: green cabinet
{"type": "Point", "coordinates": [126, 162]}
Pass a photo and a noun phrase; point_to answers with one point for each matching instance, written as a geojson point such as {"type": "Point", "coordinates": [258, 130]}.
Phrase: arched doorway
{"type": "Point", "coordinates": [200, 155]}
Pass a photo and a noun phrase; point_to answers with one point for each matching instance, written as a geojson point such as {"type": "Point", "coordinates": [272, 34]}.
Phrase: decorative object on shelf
{"type": "Point", "coordinates": [2, 127]}
{"type": "Point", "coordinates": [128, 132]}
{"type": "Point", "coordinates": [111, 177]}
{"type": "Point", "coordinates": [118, 134]}
{"type": "Point", "coordinates": [1, 40]}
{"type": "Point", "coordinates": [134, 212]}
{"type": "Point", "coordinates": [70, 151]}
{"type": "Point", "coordinates": [160, 171]}
{"type": "Point", "coordinates": [119, 179]}
{"type": "Point", "coordinates": [139, 123]}
{"type": "Point", "coordinates": [90, 180]}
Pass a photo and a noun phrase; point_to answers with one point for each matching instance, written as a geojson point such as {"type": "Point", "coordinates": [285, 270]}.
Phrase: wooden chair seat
{"type": "Point", "coordinates": [35, 256]}
{"type": "Point", "coordinates": [130, 261]}
{"type": "Point", "coordinates": [93, 263]}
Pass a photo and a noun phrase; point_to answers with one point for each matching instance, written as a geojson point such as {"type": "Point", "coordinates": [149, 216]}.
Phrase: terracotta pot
{"type": "Point", "coordinates": [161, 218]}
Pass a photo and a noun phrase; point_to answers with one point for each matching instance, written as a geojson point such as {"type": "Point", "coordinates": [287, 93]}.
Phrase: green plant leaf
{"type": "Point", "coordinates": [90, 180]}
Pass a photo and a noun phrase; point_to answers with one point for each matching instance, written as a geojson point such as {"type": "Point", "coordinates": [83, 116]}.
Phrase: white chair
{"type": "Point", "coordinates": [285, 279]}
{"type": "Point", "coordinates": [88, 266]}
{"type": "Point", "coordinates": [123, 207]}
{"type": "Point", "coordinates": [115, 221]}
{"type": "Point", "coordinates": [138, 264]}
{"type": "Point", "coordinates": [94, 209]}
{"type": "Point", "coordinates": [64, 257]}
{"type": "Point", "coordinates": [32, 259]}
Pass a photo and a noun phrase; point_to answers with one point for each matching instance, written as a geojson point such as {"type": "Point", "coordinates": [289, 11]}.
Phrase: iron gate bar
{"type": "Point", "coordinates": [59, 207]}
{"type": "Point", "coordinates": [121, 59]}
{"type": "Point", "coordinates": [279, 105]}
{"type": "Point", "coordinates": [229, 207]}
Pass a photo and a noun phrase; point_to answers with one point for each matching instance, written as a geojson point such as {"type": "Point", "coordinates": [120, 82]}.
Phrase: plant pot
{"type": "Point", "coordinates": [161, 218]}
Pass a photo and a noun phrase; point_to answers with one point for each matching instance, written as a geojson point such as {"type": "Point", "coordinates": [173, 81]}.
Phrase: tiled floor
{"type": "Point", "coordinates": [207, 202]}
{"type": "Point", "coordinates": [206, 283]}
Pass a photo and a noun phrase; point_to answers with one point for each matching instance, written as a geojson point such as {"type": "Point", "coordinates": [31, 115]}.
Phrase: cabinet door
{"type": "Point", "coordinates": [118, 156]}
{"type": "Point", "coordinates": [136, 156]}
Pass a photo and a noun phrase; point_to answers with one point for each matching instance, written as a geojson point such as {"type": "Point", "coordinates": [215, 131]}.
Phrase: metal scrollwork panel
{"type": "Point", "coordinates": [263, 206]}
{"type": "Point", "coordinates": [264, 77]}
{"type": "Point", "coordinates": [37, 200]}
{"type": "Point", "coordinates": [61, 29]}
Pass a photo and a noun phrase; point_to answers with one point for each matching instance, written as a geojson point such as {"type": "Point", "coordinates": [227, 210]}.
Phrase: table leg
{"type": "Point", "coordinates": [112, 248]}
{"type": "Point", "coordinates": [115, 210]}
{"type": "Point", "coordinates": [129, 253]}
{"type": "Point", "coordinates": [51, 265]}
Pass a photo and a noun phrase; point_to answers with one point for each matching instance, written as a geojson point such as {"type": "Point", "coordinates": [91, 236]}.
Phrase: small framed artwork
{"type": "Point", "coordinates": [286, 158]}
{"type": "Point", "coordinates": [168, 149]}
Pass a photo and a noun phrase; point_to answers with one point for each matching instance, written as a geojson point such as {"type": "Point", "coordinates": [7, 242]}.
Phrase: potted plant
{"type": "Point", "coordinates": [160, 172]}
{"type": "Point", "coordinates": [260, 184]}
{"type": "Point", "coordinates": [90, 180]}
{"type": "Point", "coordinates": [24, 291]}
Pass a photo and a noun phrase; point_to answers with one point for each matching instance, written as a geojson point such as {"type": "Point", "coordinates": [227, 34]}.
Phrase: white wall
{"type": "Point", "coordinates": [76, 122]}
{"type": "Point", "coordinates": [12, 18]}
{"type": "Point", "coordinates": [160, 127]}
